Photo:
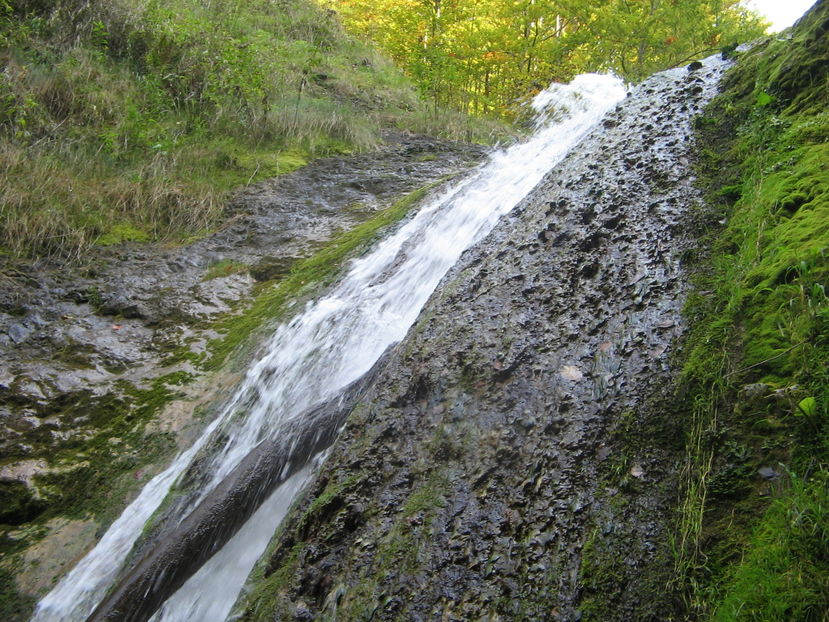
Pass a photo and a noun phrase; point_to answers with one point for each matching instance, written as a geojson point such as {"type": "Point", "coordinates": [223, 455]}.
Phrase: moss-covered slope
{"type": "Point", "coordinates": [755, 520]}
{"type": "Point", "coordinates": [131, 119]}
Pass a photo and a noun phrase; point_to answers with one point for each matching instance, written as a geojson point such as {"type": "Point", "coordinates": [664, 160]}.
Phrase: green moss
{"type": "Point", "coordinates": [602, 576]}
{"type": "Point", "coordinates": [14, 607]}
{"type": "Point", "coordinates": [785, 574]}
{"type": "Point", "coordinates": [398, 551]}
{"type": "Point", "coordinates": [91, 475]}
{"type": "Point", "coordinates": [225, 267]}
{"type": "Point", "coordinates": [395, 552]}
{"type": "Point", "coordinates": [121, 233]}
{"type": "Point", "coordinates": [266, 602]}
{"type": "Point", "coordinates": [760, 323]}
{"type": "Point", "coordinates": [17, 503]}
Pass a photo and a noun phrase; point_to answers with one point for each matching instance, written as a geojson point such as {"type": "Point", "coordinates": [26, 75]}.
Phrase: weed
{"type": "Point", "coordinates": [225, 267]}
{"type": "Point", "coordinates": [131, 120]}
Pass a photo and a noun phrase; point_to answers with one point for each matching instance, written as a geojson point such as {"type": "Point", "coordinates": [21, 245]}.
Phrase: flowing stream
{"type": "Point", "coordinates": [330, 344]}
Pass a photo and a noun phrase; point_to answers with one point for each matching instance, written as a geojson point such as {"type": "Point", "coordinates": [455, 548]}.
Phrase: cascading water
{"type": "Point", "coordinates": [210, 593]}
{"type": "Point", "coordinates": [338, 338]}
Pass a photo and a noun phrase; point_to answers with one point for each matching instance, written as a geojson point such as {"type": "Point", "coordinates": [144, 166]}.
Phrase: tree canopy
{"type": "Point", "coordinates": [482, 55]}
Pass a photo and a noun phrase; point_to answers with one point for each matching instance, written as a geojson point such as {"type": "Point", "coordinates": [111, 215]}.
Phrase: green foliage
{"type": "Point", "coordinates": [145, 113]}
{"type": "Point", "coordinates": [785, 575]}
{"type": "Point", "coordinates": [755, 377]}
{"type": "Point", "coordinates": [807, 407]}
{"type": "Point", "coordinates": [483, 56]}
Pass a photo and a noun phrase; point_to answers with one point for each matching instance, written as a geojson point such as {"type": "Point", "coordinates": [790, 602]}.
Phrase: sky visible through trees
{"type": "Point", "coordinates": [781, 14]}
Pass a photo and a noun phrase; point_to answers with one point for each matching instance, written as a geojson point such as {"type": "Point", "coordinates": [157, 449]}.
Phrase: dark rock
{"type": "Point", "coordinates": [121, 305]}
{"type": "Point", "coordinates": [767, 473]}
{"type": "Point", "coordinates": [479, 456]}
{"type": "Point", "coordinates": [272, 268]}
{"type": "Point", "coordinates": [18, 503]}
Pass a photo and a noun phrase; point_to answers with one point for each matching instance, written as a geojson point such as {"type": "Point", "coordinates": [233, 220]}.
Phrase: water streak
{"type": "Point", "coordinates": [205, 596]}
{"type": "Point", "coordinates": [338, 338]}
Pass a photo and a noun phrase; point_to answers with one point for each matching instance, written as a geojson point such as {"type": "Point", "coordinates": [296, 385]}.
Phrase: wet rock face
{"type": "Point", "coordinates": [68, 332]}
{"type": "Point", "coordinates": [90, 353]}
{"type": "Point", "coordinates": [518, 459]}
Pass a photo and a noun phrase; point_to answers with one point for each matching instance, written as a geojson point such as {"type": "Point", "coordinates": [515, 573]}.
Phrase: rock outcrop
{"type": "Point", "coordinates": [92, 351]}
{"type": "Point", "coordinates": [517, 460]}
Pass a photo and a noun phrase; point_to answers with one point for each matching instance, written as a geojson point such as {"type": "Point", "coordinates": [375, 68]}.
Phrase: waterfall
{"type": "Point", "coordinates": [210, 593]}
{"type": "Point", "coordinates": [337, 339]}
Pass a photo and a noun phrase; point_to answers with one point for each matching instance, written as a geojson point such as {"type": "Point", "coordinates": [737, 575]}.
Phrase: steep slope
{"type": "Point", "coordinates": [132, 119]}
{"type": "Point", "coordinates": [514, 461]}
{"type": "Point", "coordinates": [755, 512]}
{"type": "Point", "coordinates": [109, 367]}
{"type": "Point", "coordinates": [542, 447]}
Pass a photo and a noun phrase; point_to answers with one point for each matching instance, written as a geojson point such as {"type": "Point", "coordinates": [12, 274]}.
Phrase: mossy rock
{"type": "Point", "coordinates": [14, 606]}
{"type": "Point", "coordinates": [18, 504]}
{"type": "Point", "coordinates": [270, 268]}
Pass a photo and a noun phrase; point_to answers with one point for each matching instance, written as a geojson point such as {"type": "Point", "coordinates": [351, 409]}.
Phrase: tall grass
{"type": "Point", "coordinates": [133, 119]}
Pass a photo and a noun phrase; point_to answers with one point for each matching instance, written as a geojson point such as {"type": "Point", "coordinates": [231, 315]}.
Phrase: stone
{"type": "Point", "coordinates": [18, 332]}
{"type": "Point", "coordinates": [768, 473]}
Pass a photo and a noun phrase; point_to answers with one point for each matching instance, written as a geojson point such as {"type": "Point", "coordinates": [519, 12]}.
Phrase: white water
{"type": "Point", "coordinates": [205, 596]}
{"type": "Point", "coordinates": [339, 337]}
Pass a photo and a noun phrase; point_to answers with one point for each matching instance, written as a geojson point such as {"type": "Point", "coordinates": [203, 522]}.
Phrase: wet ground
{"type": "Point", "coordinates": [83, 327]}
{"type": "Point", "coordinates": [76, 341]}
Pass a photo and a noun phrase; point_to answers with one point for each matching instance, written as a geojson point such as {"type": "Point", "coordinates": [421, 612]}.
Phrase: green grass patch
{"type": "Point", "coordinates": [785, 573]}
{"type": "Point", "coordinates": [145, 114]}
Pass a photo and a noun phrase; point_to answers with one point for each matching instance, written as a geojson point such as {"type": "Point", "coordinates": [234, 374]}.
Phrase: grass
{"type": "Point", "coordinates": [132, 120]}
{"type": "Point", "coordinates": [747, 549]}
{"type": "Point", "coordinates": [785, 574]}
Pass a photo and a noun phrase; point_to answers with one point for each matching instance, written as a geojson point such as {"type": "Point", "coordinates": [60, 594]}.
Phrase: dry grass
{"type": "Point", "coordinates": [124, 116]}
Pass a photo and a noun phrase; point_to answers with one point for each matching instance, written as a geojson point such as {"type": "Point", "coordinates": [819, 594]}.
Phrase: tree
{"type": "Point", "coordinates": [482, 55]}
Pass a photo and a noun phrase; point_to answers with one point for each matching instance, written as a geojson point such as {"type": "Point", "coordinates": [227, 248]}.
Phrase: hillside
{"type": "Point", "coordinates": [130, 120]}
{"type": "Point", "coordinates": [754, 516]}
{"type": "Point", "coordinates": [615, 406]}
